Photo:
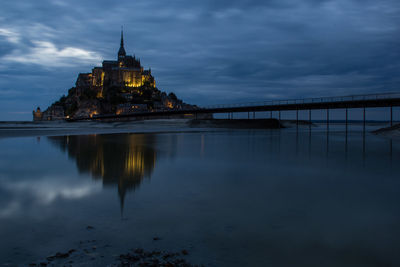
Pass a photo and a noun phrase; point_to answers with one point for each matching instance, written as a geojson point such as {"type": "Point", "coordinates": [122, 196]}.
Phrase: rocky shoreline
{"type": "Point", "coordinates": [101, 253]}
{"type": "Point", "coordinates": [133, 257]}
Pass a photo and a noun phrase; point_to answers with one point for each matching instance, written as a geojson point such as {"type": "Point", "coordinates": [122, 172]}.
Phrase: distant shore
{"type": "Point", "coordinates": [60, 128]}
{"type": "Point", "coordinates": [21, 129]}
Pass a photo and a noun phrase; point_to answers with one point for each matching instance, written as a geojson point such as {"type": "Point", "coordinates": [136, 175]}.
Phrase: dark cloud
{"type": "Point", "coordinates": [206, 51]}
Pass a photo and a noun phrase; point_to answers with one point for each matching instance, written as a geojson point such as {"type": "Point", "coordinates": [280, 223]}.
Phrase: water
{"type": "Point", "coordinates": [229, 197]}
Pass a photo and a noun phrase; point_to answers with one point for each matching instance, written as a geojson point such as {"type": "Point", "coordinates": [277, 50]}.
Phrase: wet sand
{"type": "Point", "coordinates": [25, 129]}
{"type": "Point", "coordinates": [212, 196]}
{"type": "Point", "coordinates": [393, 131]}
{"type": "Point", "coordinates": [21, 129]}
{"type": "Point", "coordinates": [97, 253]}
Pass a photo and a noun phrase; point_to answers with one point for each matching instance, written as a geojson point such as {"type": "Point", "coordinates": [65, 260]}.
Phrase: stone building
{"type": "Point", "coordinates": [54, 112]}
{"type": "Point", "coordinates": [126, 71]}
{"type": "Point", "coordinates": [37, 115]}
{"type": "Point", "coordinates": [119, 86]}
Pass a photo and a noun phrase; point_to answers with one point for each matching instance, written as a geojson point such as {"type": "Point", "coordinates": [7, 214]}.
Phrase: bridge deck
{"type": "Point", "coordinates": [344, 102]}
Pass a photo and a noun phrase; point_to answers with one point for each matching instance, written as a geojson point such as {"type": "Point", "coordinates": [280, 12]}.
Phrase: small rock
{"type": "Point", "coordinates": [89, 227]}
{"type": "Point", "coordinates": [138, 251]}
{"type": "Point", "coordinates": [185, 252]}
{"type": "Point", "coordinates": [62, 255]}
{"type": "Point", "coordinates": [166, 256]}
{"type": "Point", "coordinates": [156, 252]}
{"type": "Point", "coordinates": [58, 255]}
{"type": "Point", "coordinates": [156, 238]}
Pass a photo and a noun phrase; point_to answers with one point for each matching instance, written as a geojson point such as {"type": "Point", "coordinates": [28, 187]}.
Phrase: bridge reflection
{"type": "Point", "coordinates": [122, 160]}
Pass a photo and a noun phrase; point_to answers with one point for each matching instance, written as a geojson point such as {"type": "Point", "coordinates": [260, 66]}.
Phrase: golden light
{"type": "Point", "coordinates": [92, 114]}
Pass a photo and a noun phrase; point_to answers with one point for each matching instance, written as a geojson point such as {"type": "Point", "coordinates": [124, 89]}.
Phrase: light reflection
{"type": "Point", "coordinates": [123, 160]}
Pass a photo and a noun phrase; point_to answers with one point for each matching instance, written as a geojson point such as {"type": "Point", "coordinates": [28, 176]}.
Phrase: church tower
{"type": "Point", "coordinates": [121, 51]}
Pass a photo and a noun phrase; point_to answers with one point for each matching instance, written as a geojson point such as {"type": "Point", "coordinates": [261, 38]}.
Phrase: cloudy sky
{"type": "Point", "coordinates": [207, 52]}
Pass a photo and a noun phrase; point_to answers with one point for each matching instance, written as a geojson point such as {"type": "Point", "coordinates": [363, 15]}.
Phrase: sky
{"type": "Point", "coordinates": [206, 52]}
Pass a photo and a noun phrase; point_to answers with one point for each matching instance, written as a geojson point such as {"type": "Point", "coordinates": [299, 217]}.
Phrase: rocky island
{"type": "Point", "coordinates": [120, 86]}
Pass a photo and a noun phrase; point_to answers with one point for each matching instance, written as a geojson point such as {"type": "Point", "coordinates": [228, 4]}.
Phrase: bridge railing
{"type": "Point", "coordinates": [349, 98]}
{"type": "Point", "coordinates": [308, 100]}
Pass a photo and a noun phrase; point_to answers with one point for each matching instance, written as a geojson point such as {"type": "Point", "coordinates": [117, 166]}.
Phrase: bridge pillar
{"type": "Point", "coordinates": [270, 114]}
{"type": "Point", "coordinates": [347, 118]}
{"type": "Point", "coordinates": [327, 119]}
{"type": "Point", "coordinates": [279, 115]}
{"type": "Point", "coordinates": [297, 117]}
{"type": "Point", "coordinates": [364, 119]}
{"type": "Point", "coordinates": [254, 115]}
{"type": "Point", "coordinates": [391, 116]}
{"type": "Point", "coordinates": [248, 115]}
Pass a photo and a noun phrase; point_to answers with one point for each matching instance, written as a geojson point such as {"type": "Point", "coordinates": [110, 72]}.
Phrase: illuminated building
{"type": "Point", "coordinates": [55, 113]}
{"type": "Point", "coordinates": [126, 72]}
{"type": "Point", "coordinates": [119, 86]}
{"type": "Point", "coordinates": [37, 115]}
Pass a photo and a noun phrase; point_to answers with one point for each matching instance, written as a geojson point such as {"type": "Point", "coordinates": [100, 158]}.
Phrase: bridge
{"type": "Point", "coordinates": [388, 100]}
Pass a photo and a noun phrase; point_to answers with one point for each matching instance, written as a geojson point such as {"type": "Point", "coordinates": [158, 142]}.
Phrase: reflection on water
{"type": "Point", "coordinates": [338, 142]}
{"type": "Point", "coordinates": [119, 160]}
{"type": "Point", "coordinates": [232, 197]}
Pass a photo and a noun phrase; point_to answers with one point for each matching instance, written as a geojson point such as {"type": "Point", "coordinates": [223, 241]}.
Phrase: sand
{"type": "Point", "coordinates": [25, 129]}
{"type": "Point", "coordinates": [393, 131]}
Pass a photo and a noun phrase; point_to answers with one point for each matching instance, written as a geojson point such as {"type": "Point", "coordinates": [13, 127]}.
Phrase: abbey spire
{"type": "Point", "coordinates": [121, 51]}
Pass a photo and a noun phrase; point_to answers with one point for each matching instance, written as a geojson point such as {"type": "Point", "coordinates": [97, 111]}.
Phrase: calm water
{"type": "Point", "coordinates": [231, 198]}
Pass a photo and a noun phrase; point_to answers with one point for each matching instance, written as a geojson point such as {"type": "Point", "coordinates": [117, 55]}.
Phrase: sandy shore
{"type": "Point", "coordinates": [21, 129]}
{"type": "Point", "coordinates": [91, 253]}
{"type": "Point", "coordinates": [393, 131]}
{"type": "Point", "coordinates": [25, 129]}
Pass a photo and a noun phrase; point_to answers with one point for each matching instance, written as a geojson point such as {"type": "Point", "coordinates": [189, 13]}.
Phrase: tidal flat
{"type": "Point", "coordinates": [165, 193]}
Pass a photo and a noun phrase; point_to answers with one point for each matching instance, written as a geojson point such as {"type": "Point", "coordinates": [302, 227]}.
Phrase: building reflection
{"type": "Point", "coordinates": [122, 160]}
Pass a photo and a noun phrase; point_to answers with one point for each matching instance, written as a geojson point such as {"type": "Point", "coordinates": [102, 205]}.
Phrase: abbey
{"type": "Point", "coordinates": [119, 86]}
{"type": "Point", "coordinates": [127, 71]}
